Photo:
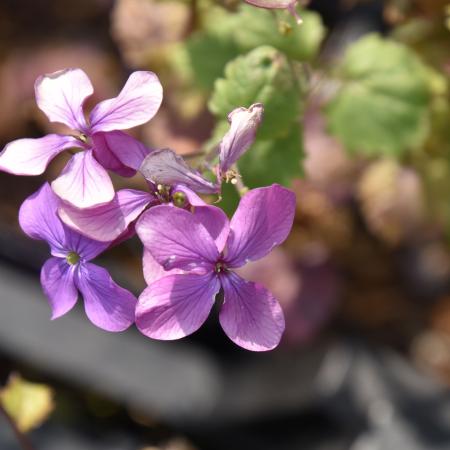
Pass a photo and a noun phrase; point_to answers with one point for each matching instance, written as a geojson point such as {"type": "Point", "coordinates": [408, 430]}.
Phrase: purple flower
{"type": "Point", "coordinates": [170, 180]}
{"type": "Point", "coordinates": [289, 5]}
{"type": "Point", "coordinates": [84, 182]}
{"type": "Point", "coordinates": [205, 247]}
{"type": "Point", "coordinates": [68, 271]}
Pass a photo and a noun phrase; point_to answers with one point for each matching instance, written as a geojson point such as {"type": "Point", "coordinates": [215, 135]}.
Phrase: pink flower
{"type": "Point", "coordinates": [69, 270]}
{"type": "Point", "coordinates": [289, 5]}
{"type": "Point", "coordinates": [200, 250]}
{"type": "Point", "coordinates": [84, 182]}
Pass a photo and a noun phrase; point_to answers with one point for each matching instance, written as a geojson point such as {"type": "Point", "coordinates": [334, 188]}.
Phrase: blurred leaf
{"type": "Point", "coordinates": [382, 106]}
{"type": "Point", "coordinates": [256, 27]}
{"type": "Point", "coordinates": [263, 75]}
{"type": "Point", "coordinates": [28, 404]}
{"type": "Point", "coordinates": [208, 54]}
{"type": "Point", "coordinates": [273, 161]}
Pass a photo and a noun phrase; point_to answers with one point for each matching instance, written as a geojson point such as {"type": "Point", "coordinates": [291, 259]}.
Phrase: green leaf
{"type": "Point", "coordinates": [383, 104]}
{"type": "Point", "coordinates": [273, 161]}
{"type": "Point", "coordinates": [28, 404]}
{"type": "Point", "coordinates": [208, 54]}
{"type": "Point", "coordinates": [263, 75]}
{"type": "Point", "coordinates": [256, 26]}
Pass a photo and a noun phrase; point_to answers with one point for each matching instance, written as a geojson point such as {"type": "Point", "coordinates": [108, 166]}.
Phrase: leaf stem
{"type": "Point", "coordinates": [23, 440]}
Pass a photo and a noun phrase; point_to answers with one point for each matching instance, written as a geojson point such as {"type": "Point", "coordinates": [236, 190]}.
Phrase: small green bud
{"type": "Point", "coordinates": [179, 199]}
{"type": "Point", "coordinates": [73, 258]}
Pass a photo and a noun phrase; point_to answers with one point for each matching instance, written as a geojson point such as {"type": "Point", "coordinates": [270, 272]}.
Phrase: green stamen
{"type": "Point", "coordinates": [179, 199]}
{"type": "Point", "coordinates": [73, 258]}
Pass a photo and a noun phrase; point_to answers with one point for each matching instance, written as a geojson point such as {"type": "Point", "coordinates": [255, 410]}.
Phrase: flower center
{"type": "Point", "coordinates": [220, 267]}
{"type": "Point", "coordinates": [73, 258]}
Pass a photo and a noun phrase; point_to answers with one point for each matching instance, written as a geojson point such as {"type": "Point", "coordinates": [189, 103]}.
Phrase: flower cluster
{"type": "Point", "coordinates": [190, 247]}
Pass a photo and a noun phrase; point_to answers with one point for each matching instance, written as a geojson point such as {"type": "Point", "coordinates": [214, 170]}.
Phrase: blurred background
{"type": "Point", "coordinates": [358, 124]}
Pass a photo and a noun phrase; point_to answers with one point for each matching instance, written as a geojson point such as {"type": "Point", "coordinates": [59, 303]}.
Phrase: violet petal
{"type": "Point", "coordinates": [176, 238]}
{"type": "Point", "coordinates": [84, 183]}
{"type": "Point", "coordinates": [166, 167]}
{"type": "Point", "coordinates": [263, 220]}
{"type": "Point", "coordinates": [32, 156]}
{"type": "Point", "coordinates": [176, 306]}
{"type": "Point", "coordinates": [106, 222]}
{"type": "Point", "coordinates": [107, 305]}
{"type": "Point", "coordinates": [60, 95]}
{"type": "Point", "coordinates": [250, 316]}
{"type": "Point", "coordinates": [57, 280]}
{"type": "Point", "coordinates": [136, 104]}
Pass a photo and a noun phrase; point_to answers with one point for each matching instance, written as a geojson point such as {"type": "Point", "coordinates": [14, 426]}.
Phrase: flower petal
{"type": "Point", "coordinates": [176, 306]}
{"type": "Point", "coordinates": [176, 238]}
{"type": "Point", "coordinates": [153, 271]}
{"type": "Point", "coordinates": [32, 156]}
{"type": "Point", "coordinates": [57, 280]}
{"type": "Point", "coordinates": [106, 222]}
{"type": "Point", "coordinates": [166, 167]}
{"type": "Point", "coordinates": [84, 183]}
{"type": "Point", "coordinates": [244, 123]}
{"type": "Point", "coordinates": [136, 104]}
{"type": "Point", "coordinates": [250, 316]}
{"type": "Point", "coordinates": [263, 220]}
{"type": "Point", "coordinates": [60, 95]}
{"type": "Point", "coordinates": [192, 198]}
{"type": "Point", "coordinates": [119, 152]}
{"type": "Point", "coordinates": [38, 219]}
{"type": "Point", "coordinates": [216, 222]}
{"type": "Point", "coordinates": [107, 305]}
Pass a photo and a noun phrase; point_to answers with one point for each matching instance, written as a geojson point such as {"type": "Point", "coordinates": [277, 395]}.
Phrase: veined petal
{"type": "Point", "coordinates": [107, 305]}
{"type": "Point", "coordinates": [106, 222]}
{"type": "Point", "coordinates": [38, 219]}
{"type": "Point", "coordinates": [176, 238]}
{"type": "Point", "coordinates": [250, 316]}
{"type": "Point", "coordinates": [60, 96]}
{"type": "Point", "coordinates": [216, 222]}
{"type": "Point", "coordinates": [166, 167]}
{"type": "Point", "coordinates": [153, 271]}
{"type": "Point", "coordinates": [244, 124]}
{"type": "Point", "coordinates": [263, 220]}
{"type": "Point", "coordinates": [176, 306]}
{"type": "Point", "coordinates": [84, 183]}
{"type": "Point", "coordinates": [119, 152]}
{"type": "Point", "coordinates": [136, 104]}
{"type": "Point", "coordinates": [57, 280]}
{"type": "Point", "coordinates": [32, 156]}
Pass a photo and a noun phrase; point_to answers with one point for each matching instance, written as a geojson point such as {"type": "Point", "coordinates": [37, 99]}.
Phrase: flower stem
{"type": "Point", "coordinates": [22, 439]}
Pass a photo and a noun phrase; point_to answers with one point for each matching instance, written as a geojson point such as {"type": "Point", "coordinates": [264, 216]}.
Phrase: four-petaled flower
{"type": "Point", "coordinates": [84, 182]}
{"type": "Point", "coordinates": [68, 271]}
{"type": "Point", "coordinates": [202, 248]}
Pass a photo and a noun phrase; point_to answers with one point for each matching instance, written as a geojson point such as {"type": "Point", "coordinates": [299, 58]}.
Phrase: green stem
{"type": "Point", "coordinates": [22, 439]}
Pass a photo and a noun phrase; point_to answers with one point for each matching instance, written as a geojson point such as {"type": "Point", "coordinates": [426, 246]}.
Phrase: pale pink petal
{"type": "Point", "coordinates": [289, 5]}
{"type": "Point", "coordinates": [32, 156]}
{"type": "Point", "coordinates": [153, 271]}
{"type": "Point", "coordinates": [84, 183]}
{"type": "Point", "coordinates": [176, 238]}
{"type": "Point", "coordinates": [216, 222]}
{"type": "Point", "coordinates": [244, 124]}
{"type": "Point", "coordinates": [107, 305]}
{"type": "Point", "coordinates": [166, 167]}
{"type": "Point", "coordinates": [176, 306]}
{"type": "Point", "coordinates": [250, 316]}
{"type": "Point", "coordinates": [119, 152]}
{"type": "Point", "coordinates": [136, 104]}
{"type": "Point", "coordinates": [57, 280]}
{"type": "Point", "coordinates": [60, 95]}
{"type": "Point", "coordinates": [263, 220]}
{"type": "Point", "coordinates": [106, 222]}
